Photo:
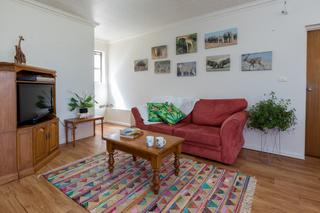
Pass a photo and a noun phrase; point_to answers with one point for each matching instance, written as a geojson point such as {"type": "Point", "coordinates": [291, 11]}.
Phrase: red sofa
{"type": "Point", "coordinates": [213, 130]}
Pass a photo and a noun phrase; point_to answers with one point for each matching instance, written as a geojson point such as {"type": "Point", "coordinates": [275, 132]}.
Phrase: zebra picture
{"type": "Point", "coordinates": [256, 61]}
{"type": "Point", "coordinates": [162, 66]}
{"type": "Point", "coordinates": [221, 38]}
{"type": "Point", "coordinates": [218, 63]}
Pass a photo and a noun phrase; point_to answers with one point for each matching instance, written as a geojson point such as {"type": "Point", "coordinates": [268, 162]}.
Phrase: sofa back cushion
{"type": "Point", "coordinates": [215, 112]}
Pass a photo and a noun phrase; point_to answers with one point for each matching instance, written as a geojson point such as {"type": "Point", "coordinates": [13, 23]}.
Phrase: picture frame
{"type": "Point", "coordinates": [186, 44]}
{"type": "Point", "coordinates": [218, 63]}
{"type": "Point", "coordinates": [222, 38]}
{"type": "Point", "coordinates": [162, 66]}
{"type": "Point", "coordinates": [141, 65]}
{"type": "Point", "coordinates": [187, 69]}
{"type": "Point", "coordinates": [260, 61]}
{"type": "Point", "coordinates": [159, 52]}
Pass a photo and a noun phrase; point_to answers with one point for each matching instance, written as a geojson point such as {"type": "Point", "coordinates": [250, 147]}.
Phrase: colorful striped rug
{"type": "Point", "coordinates": [199, 188]}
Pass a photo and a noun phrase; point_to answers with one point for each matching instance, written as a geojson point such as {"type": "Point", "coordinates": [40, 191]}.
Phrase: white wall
{"type": "Point", "coordinates": [261, 28]}
{"type": "Point", "coordinates": [52, 41]}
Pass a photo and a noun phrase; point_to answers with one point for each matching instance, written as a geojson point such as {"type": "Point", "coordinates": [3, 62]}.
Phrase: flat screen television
{"type": "Point", "coordinates": [35, 102]}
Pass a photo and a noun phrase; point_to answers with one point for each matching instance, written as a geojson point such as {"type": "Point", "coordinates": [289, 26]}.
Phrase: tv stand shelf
{"type": "Point", "coordinates": [35, 82]}
{"type": "Point", "coordinates": [24, 149]}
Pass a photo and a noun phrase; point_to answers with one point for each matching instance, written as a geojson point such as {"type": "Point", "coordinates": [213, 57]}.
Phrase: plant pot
{"type": "Point", "coordinates": [83, 113]}
{"type": "Point", "coordinates": [83, 110]}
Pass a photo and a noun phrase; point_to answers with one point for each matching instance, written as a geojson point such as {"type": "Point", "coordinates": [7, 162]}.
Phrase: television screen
{"type": "Point", "coordinates": [35, 101]}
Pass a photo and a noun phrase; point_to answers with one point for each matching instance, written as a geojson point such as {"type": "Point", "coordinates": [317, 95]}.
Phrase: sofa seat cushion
{"type": "Point", "coordinates": [206, 135]}
{"type": "Point", "coordinates": [164, 128]}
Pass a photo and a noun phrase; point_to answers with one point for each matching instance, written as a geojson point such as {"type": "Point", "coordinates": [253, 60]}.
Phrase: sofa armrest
{"type": "Point", "coordinates": [136, 115]}
{"type": "Point", "coordinates": [231, 134]}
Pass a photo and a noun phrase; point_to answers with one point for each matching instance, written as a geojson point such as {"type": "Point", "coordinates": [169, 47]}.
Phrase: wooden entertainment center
{"type": "Point", "coordinates": [24, 149]}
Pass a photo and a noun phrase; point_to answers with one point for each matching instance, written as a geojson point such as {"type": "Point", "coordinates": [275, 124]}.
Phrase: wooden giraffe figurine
{"type": "Point", "coordinates": [20, 57]}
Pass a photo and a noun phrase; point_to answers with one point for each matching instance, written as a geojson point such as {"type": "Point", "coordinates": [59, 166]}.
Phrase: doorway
{"type": "Point", "coordinates": [313, 94]}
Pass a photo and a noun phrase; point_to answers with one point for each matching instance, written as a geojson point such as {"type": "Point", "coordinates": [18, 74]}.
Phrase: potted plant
{"type": "Point", "coordinates": [272, 114]}
{"type": "Point", "coordinates": [82, 103]}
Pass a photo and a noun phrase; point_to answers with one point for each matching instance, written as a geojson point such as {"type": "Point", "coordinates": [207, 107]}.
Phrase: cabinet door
{"type": "Point", "coordinates": [40, 139]}
{"type": "Point", "coordinates": [53, 136]}
{"type": "Point", "coordinates": [24, 148]}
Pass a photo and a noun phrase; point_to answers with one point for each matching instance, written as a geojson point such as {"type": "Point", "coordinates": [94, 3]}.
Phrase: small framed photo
{"type": "Point", "coordinates": [159, 52]}
{"type": "Point", "coordinates": [141, 65]}
{"type": "Point", "coordinates": [187, 69]}
{"type": "Point", "coordinates": [186, 44]}
{"type": "Point", "coordinates": [162, 66]}
{"type": "Point", "coordinates": [256, 61]}
{"type": "Point", "coordinates": [218, 63]}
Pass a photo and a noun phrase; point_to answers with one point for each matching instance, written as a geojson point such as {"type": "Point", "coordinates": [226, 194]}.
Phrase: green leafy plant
{"type": "Point", "coordinates": [272, 113]}
{"type": "Point", "coordinates": [81, 102]}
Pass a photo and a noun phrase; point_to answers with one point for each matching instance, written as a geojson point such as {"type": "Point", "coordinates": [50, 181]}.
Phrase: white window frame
{"type": "Point", "coordinates": [100, 53]}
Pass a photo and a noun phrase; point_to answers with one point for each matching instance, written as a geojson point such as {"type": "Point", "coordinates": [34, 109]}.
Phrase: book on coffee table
{"type": "Point", "coordinates": [131, 133]}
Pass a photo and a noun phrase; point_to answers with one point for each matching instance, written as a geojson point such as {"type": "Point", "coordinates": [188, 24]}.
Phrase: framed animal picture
{"type": "Point", "coordinates": [256, 61]}
{"type": "Point", "coordinates": [186, 44]}
{"type": "Point", "coordinates": [159, 52]}
{"type": "Point", "coordinates": [141, 65]}
{"type": "Point", "coordinates": [187, 69]}
{"type": "Point", "coordinates": [221, 38]}
{"type": "Point", "coordinates": [162, 66]}
{"type": "Point", "coordinates": [218, 63]}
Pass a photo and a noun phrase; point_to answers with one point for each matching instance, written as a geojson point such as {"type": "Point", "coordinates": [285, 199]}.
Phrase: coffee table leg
{"type": "Point", "coordinates": [155, 163]}
{"type": "Point", "coordinates": [177, 160]}
{"type": "Point", "coordinates": [111, 158]}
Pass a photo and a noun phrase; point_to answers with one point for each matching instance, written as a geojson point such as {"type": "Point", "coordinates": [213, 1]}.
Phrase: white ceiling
{"type": "Point", "coordinates": [119, 19]}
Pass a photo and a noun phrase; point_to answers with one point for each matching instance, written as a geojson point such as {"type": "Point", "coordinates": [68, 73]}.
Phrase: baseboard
{"type": "Point", "coordinates": [118, 123]}
{"type": "Point", "coordinates": [9, 178]}
{"type": "Point", "coordinates": [42, 163]}
{"type": "Point", "coordinates": [26, 172]}
{"type": "Point", "coordinates": [283, 153]}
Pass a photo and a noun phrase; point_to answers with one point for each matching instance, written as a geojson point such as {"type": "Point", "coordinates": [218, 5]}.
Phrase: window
{"type": "Point", "coordinates": [98, 73]}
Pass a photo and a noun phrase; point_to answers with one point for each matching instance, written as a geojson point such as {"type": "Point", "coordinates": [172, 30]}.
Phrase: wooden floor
{"type": "Point", "coordinates": [284, 184]}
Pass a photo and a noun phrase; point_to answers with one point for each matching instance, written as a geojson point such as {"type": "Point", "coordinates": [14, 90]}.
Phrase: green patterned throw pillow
{"type": "Point", "coordinates": [153, 108]}
{"type": "Point", "coordinates": [171, 114]}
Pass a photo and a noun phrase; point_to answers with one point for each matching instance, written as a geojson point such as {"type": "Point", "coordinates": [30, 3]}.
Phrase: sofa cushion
{"type": "Point", "coordinates": [152, 111]}
{"type": "Point", "coordinates": [170, 114]}
{"type": "Point", "coordinates": [164, 128]}
{"type": "Point", "coordinates": [206, 135]}
{"type": "Point", "coordinates": [215, 112]}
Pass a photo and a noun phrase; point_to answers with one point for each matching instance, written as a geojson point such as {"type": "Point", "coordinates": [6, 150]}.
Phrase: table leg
{"type": "Point", "coordinates": [73, 135]}
{"type": "Point", "coordinates": [111, 157]}
{"type": "Point", "coordinates": [177, 160]}
{"type": "Point", "coordinates": [94, 128]}
{"type": "Point", "coordinates": [66, 131]}
{"type": "Point", "coordinates": [134, 158]}
{"type": "Point", "coordinates": [102, 128]}
{"type": "Point", "coordinates": [155, 163]}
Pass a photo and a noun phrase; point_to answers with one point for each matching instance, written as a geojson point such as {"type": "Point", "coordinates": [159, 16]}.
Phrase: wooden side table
{"type": "Point", "coordinates": [74, 121]}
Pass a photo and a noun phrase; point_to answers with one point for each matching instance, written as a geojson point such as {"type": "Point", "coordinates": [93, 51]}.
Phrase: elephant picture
{"type": "Point", "coordinates": [221, 38]}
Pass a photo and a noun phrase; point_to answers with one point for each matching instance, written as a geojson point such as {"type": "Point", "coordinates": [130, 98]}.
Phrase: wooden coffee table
{"type": "Point", "coordinates": [138, 147]}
